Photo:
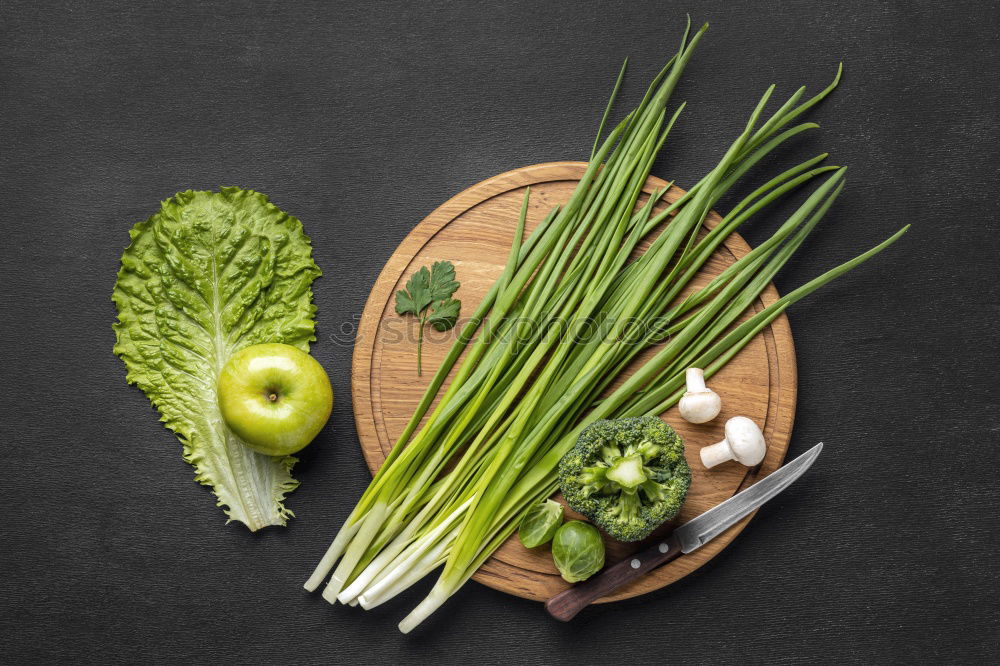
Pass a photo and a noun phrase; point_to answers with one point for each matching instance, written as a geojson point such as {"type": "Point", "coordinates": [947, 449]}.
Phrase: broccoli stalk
{"type": "Point", "coordinates": [628, 476]}
{"type": "Point", "coordinates": [626, 472]}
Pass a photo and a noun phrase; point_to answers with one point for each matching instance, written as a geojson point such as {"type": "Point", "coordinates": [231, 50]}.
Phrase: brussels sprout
{"type": "Point", "coordinates": [539, 525]}
{"type": "Point", "coordinates": [578, 551]}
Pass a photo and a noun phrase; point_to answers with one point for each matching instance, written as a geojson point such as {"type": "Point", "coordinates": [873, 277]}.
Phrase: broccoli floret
{"type": "Point", "coordinates": [628, 476]}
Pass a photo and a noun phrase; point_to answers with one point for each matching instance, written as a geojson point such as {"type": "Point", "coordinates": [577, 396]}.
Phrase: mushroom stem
{"type": "Point", "coordinates": [716, 454]}
{"type": "Point", "coordinates": [744, 443]}
{"type": "Point", "coordinates": [695, 378]}
{"type": "Point", "coordinates": [699, 404]}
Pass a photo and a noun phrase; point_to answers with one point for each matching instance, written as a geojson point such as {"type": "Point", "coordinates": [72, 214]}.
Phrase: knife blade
{"type": "Point", "coordinates": [684, 539]}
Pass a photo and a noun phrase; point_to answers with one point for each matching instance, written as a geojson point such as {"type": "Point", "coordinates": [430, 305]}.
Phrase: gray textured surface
{"type": "Point", "coordinates": [359, 119]}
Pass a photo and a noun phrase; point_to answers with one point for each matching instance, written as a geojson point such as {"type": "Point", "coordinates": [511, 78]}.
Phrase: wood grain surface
{"type": "Point", "coordinates": [474, 230]}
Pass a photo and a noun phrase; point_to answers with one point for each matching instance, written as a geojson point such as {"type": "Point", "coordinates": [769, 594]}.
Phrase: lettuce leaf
{"type": "Point", "coordinates": [209, 274]}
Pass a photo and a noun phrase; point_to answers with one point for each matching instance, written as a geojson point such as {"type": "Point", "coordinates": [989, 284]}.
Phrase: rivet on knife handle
{"type": "Point", "coordinates": [565, 605]}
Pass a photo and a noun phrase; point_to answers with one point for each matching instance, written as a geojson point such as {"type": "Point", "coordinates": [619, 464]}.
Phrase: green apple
{"type": "Point", "coordinates": [275, 397]}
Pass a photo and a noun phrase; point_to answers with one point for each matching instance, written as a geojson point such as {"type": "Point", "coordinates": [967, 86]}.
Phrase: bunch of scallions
{"type": "Point", "coordinates": [453, 490]}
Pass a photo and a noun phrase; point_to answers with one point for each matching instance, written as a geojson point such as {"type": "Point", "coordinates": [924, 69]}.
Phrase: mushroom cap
{"type": "Point", "coordinates": [746, 440]}
{"type": "Point", "coordinates": [700, 406]}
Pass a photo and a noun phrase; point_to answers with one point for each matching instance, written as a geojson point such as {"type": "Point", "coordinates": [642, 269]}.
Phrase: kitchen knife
{"type": "Point", "coordinates": [688, 537]}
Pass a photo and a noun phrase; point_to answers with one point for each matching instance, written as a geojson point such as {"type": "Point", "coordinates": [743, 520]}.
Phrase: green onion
{"type": "Point", "coordinates": [454, 489]}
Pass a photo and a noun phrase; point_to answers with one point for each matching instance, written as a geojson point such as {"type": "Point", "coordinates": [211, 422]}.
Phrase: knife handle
{"type": "Point", "coordinates": [565, 605]}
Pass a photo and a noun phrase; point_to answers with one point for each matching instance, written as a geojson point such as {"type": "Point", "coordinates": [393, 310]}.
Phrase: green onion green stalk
{"type": "Point", "coordinates": [571, 310]}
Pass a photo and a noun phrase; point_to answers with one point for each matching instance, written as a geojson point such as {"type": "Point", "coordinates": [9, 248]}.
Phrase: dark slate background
{"type": "Point", "coordinates": [360, 118]}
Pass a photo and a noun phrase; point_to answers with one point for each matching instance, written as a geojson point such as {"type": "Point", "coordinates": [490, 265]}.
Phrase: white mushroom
{"type": "Point", "coordinates": [744, 443]}
{"type": "Point", "coordinates": [700, 404]}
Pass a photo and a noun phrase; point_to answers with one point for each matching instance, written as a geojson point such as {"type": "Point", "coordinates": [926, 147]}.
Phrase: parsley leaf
{"type": "Point", "coordinates": [444, 314]}
{"type": "Point", "coordinates": [417, 294]}
{"type": "Point", "coordinates": [430, 287]}
{"type": "Point", "coordinates": [442, 280]}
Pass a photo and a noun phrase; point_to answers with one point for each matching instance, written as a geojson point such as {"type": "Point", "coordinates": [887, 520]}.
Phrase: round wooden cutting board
{"type": "Point", "coordinates": [474, 230]}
